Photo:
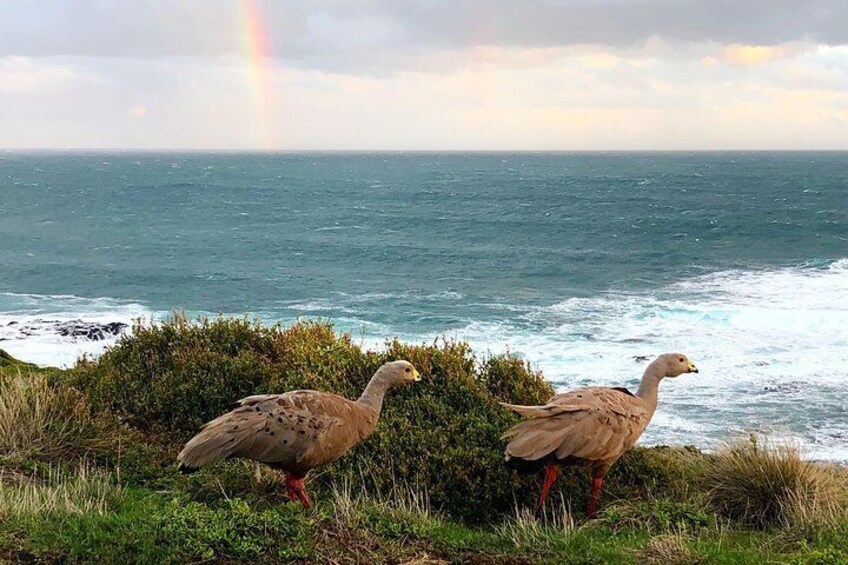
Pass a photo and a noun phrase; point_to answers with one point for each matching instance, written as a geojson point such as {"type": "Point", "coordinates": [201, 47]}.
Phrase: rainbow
{"type": "Point", "coordinates": [259, 57]}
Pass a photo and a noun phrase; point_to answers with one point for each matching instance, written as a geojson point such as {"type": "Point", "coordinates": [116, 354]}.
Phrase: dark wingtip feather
{"type": "Point", "coordinates": [526, 467]}
{"type": "Point", "coordinates": [186, 470]}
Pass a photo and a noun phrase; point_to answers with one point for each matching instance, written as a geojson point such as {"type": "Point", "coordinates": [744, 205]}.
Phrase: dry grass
{"type": "Point", "coordinates": [551, 529]}
{"type": "Point", "coordinates": [763, 484]}
{"type": "Point", "coordinates": [41, 421]}
{"type": "Point", "coordinates": [668, 549]}
{"type": "Point", "coordinates": [403, 501]}
{"type": "Point", "coordinates": [83, 490]}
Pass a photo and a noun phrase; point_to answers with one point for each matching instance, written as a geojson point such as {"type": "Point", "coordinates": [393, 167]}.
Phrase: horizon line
{"type": "Point", "coordinates": [389, 151]}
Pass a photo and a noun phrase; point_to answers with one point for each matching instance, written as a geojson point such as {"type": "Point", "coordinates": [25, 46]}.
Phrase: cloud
{"type": "Point", "coordinates": [25, 75]}
{"type": "Point", "coordinates": [502, 99]}
{"type": "Point", "coordinates": [748, 55]}
{"type": "Point", "coordinates": [138, 111]}
{"type": "Point", "coordinates": [371, 34]}
{"type": "Point", "coordinates": [425, 74]}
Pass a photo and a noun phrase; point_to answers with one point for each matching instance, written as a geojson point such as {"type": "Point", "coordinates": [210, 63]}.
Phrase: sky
{"type": "Point", "coordinates": [424, 74]}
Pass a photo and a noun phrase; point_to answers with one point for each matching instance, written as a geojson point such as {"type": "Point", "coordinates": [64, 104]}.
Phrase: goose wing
{"type": "Point", "coordinates": [296, 430]}
{"type": "Point", "coordinates": [593, 423]}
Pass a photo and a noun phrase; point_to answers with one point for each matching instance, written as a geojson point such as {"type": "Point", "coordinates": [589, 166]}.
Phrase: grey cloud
{"type": "Point", "coordinates": [338, 33]}
{"type": "Point", "coordinates": [623, 23]}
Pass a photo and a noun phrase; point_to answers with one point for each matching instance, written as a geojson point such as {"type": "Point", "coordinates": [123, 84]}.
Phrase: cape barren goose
{"type": "Point", "coordinates": [591, 426]}
{"type": "Point", "coordinates": [296, 431]}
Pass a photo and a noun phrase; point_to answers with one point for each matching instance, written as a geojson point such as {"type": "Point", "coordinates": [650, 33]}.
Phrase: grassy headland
{"type": "Point", "coordinates": [87, 469]}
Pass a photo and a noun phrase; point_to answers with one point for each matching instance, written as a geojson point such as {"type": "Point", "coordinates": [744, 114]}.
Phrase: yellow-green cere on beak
{"type": "Point", "coordinates": [416, 376]}
{"type": "Point", "coordinates": [692, 367]}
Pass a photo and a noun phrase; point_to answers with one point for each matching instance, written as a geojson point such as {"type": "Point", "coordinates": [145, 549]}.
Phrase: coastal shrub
{"type": "Point", "coordinates": [441, 435]}
{"type": "Point", "coordinates": [650, 472]}
{"type": "Point", "coordinates": [179, 374]}
{"type": "Point", "coordinates": [656, 516]}
{"type": "Point", "coordinates": [763, 484]}
{"type": "Point", "coordinates": [513, 380]}
{"type": "Point", "coordinates": [235, 531]}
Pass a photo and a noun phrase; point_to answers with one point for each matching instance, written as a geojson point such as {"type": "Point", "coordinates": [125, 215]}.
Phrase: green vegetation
{"type": "Point", "coordinates": [87, 469]}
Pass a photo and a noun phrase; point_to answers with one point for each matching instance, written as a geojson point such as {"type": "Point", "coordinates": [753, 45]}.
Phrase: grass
{"type": "Point", "coordinates": [765, 484]}
{"type": "Point", "coordinates": [549, 532]}
{"type": "Point", "coordinates": [82, 489]}
{"type": "Point", "coordinates": [669, 549]}
{"type": "Point", "coordinates": [87, 472]}
{"type": "Point", "coordinates": [40, 421]}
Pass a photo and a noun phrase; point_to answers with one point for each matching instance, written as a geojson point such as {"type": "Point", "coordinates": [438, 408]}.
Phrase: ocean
{"type": "Point", "coordinates": [585, 264]}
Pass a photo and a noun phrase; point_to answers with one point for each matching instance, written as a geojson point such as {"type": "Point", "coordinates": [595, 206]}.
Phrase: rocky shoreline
{"type": "Point", "coordinates": [76, 330]}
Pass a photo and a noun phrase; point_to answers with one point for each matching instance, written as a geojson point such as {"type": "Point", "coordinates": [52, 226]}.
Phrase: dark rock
{"type": "Point", "coordinates": [89, 330]}
{"type": "Point", "coordinates": [784, 388]}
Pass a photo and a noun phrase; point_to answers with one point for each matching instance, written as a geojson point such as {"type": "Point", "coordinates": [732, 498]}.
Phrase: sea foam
{"type": "Point", "coordinates": [771, 345]}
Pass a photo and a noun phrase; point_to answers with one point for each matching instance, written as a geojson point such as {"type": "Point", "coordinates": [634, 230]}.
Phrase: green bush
{"type": "Point", "coordinates": [656, 516]}
{"type": "Point", "coordinates": [233, 532]}
{"type": "Point", "coordinates": [441, 435]}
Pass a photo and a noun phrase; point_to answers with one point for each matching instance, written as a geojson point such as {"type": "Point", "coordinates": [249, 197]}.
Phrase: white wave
{"type": "Point", "coordinates": [27, 325]}
{"type": "Point", "coordinates": [771, 346]}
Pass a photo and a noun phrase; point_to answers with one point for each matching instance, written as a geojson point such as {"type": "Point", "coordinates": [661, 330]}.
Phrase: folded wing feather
{"type": "Point", "coordinates": [593, 423]}
{"type": "Point", "coordinates": [298, 428]}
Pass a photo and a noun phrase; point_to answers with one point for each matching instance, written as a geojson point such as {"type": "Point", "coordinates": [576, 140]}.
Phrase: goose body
{"type": "Point", "coordinates": [590, 426]}
{"type": "Point", "coordinates": [296, 431]}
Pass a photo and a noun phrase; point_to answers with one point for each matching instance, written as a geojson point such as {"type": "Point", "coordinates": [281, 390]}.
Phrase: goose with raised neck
{"type": "Point", "coordinates": [375, 391]}
{"type": "Point", "coordinates": [296, 431]}
{"type": "Point", "coordinates": [590, 426]}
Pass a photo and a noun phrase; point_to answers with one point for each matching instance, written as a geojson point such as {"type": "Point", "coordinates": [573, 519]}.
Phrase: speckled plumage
{"type": "Point", "coordinates": [595, 424]}
{"type": "Point", "coordinates": [591, 426]}
{"type": "Point", "coordinates": [296, 431]}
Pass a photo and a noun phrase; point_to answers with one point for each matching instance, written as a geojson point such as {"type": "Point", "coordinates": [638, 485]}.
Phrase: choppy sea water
{"type": "Point", "coordinates": [582, 263]}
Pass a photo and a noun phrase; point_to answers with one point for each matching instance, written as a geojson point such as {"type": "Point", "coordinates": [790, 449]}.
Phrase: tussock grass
{"type": "Point", "coordinates": [83, 490]}
{"type": "Point", "coordinates": [668, 549]}
{"type": "Point", "coordinates": [762, 483]}
{"type": "Point", "coordinates": [41, 421]}
{"type": "Point", "coordinates": [550, 530]}
{"type": "Point", "coordinates": [353, 502]}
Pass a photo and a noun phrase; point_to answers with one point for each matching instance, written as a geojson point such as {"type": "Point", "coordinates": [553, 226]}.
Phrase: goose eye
{"type": "Point", "coordinates": [406, 370]}
{"type": "Point", "coordinates": [681, 359]}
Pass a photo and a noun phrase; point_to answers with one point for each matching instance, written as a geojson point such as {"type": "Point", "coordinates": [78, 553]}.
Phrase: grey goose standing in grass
{"type": "Point", "coordinates": [296, 431]}
{"type": "Point", "coordinates": [591, 426]}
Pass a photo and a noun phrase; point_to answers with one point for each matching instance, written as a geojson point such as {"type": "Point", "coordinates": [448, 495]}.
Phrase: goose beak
{"type": "Point", "coordinates": [692, 368]}
{"type": "Point", "coordinates": [416, 376]}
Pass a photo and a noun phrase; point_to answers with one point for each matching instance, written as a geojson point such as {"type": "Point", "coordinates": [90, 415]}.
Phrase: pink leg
{"type": "Point", "coordinates": [593, 496]}
{"type": "Point", "coordinates": [296, 490]}
{"type": "Point", "coordinates": [290, 487]}
{"type": "Point", "coordinates": [551, 474]}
